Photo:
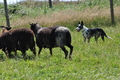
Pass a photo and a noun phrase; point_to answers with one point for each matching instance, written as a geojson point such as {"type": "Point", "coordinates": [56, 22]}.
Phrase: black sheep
{"type": "Point", "coordinates": [50, 37]}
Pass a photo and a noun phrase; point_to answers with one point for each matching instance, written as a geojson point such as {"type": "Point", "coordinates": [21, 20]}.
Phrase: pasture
{"type": "Point", "coordinates": [90, 61]}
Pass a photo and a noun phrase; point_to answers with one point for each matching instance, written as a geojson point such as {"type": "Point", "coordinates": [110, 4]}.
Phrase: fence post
{"type": "Point", "coordinates": [112, 12]}
{"type": "Point", "coordinates": [50, 3]}
{"type": "Point", "coordinates": [6, 13]}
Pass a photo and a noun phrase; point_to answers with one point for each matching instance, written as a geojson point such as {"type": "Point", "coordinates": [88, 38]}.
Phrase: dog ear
{"type": "Point", "coordinates": [79, 22]}
{"type": "Point", "coordinates": [82, 23]}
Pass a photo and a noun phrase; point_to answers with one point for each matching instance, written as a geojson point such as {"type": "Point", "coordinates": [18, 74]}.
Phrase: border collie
{"type": "Point", "coordinates": [91, 32]}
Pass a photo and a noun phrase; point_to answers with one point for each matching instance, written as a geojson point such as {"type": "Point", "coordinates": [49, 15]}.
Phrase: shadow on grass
{"type": "Point", "coordinates": [18, 57]}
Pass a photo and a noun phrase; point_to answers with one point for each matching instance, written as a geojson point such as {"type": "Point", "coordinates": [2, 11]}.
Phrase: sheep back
{"type": "Point", "coordinates": [46, 37]}
{"type": "Point", "coordinates": [22, 36]}
{"type": "Point", "coordinates": [62, 36]}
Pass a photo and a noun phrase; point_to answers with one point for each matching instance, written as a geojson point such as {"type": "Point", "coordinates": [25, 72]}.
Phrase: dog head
{"type": "Point", "coordinates": [80, 26]}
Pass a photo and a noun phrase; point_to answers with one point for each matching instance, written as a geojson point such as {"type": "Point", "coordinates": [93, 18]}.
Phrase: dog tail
{"type": "Point", "coordinates": [106, 35]}
{"type": "Point", "coordinates": [103, 33]}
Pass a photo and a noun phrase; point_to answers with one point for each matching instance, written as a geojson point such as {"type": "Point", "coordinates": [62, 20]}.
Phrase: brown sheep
{"type": "Point", "coordinates": [17, 39]}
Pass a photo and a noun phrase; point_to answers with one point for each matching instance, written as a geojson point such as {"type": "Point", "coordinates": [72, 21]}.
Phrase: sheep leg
{"type": "Point", "coordinates": [71, 49]}
{"type": "Point", "coordinates": [39, 51]}
{"type": "Point", "coordinates": [7, 52]}
{"type": "Point", "coordinates": [33, 50]}
{"type": "Point", "coordinates": [50, 51]}
{"type": "Point", "coordinates": [65, 51]}
{"type": "Point", "coordinates": [23, 54]}
{"type": "Point", "coordinates": [15, 53]}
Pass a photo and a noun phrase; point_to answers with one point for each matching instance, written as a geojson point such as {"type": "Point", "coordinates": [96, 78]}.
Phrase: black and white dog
{"type": "Point", "coordinates": [91, 32]}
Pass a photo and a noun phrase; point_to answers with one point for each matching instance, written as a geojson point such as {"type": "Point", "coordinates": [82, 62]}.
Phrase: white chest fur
{"type": "Point", "coordinates": [85, 32]}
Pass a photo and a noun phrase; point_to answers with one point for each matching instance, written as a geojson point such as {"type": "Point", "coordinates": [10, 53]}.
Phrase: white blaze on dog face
{"type": "Point", "coordinates": [79, 27]}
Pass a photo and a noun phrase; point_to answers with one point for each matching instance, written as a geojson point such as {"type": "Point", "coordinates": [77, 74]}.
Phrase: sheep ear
{"type": "Point", "coordinates": [31, 23]}
{"type": "Point", "coordinates": [2, 26]}
{"type": "Point", "coordinates": [82, 23]}
{"type": "Point", "coordinates": [10, 27]}
{"type": "Point", "coordinates": [36, 23]}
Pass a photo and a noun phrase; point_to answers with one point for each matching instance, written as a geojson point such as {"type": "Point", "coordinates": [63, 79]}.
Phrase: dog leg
{"type": "Point", "coordinates": [84, 39]}
{"type": "Point", "coordinates": [88, 40]}
{"type": "Point", "coordinates": [96, 38]}
{"type": "Point", "coordinates": [102, 38]}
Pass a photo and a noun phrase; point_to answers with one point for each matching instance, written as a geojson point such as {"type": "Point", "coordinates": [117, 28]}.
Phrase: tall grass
{"type": "Point", "coordinates": [63, 13]}
{"type": "Point", "coordinates": [92, 17]}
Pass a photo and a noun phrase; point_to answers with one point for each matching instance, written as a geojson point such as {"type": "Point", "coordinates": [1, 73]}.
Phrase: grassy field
{"type": "Point", "coordinates": [90, 61]}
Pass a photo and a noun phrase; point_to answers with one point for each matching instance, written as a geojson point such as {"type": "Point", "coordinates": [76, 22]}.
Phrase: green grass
{"type": "Point", "coordinates": [90, 61]}
{"type": "Point", "coordinates": [96, 61]}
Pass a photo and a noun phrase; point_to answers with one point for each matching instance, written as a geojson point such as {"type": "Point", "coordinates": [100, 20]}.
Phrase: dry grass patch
{"type": "Point", "coordinates": [70, 17]}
